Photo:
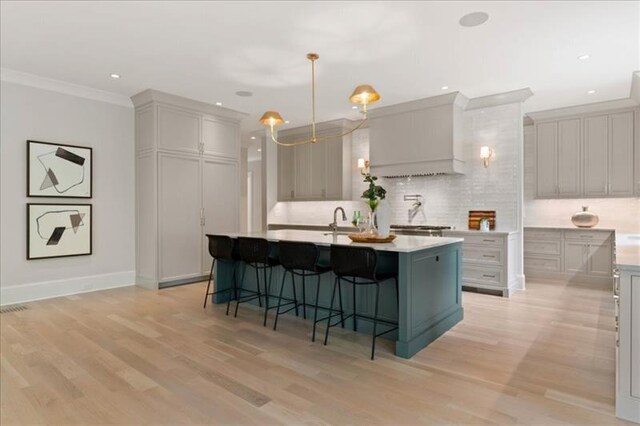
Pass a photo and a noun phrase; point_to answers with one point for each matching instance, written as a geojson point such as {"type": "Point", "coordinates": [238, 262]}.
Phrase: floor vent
{"type": "Point", "coordinates": [12, 308]}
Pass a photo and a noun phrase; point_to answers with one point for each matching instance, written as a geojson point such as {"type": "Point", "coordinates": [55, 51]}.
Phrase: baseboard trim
{"type": "Point", "coordinates": [183, 281]}
{"type": "Point", "coordinates": [565, 277]}
{"type": "Point", "coordinates": [48, 289]}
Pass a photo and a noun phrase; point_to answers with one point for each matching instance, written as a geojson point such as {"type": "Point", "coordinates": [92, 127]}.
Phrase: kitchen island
{"type": "Point", "coordinates": [429, 278]}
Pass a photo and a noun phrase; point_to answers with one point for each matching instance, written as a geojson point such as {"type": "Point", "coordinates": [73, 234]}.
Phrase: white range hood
{"type": "Point", "coordinates": [422, 137]}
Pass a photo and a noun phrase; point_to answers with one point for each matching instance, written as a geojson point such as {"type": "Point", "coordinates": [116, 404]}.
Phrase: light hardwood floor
{"type": "Point", "coordinates": [132, 356]}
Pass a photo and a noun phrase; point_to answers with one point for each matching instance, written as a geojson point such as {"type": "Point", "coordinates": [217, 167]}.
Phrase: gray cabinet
{"type": "Point", "coordinates": [320, 171]}
{"type": "Point", "coordinates": [586, 156]}
{"type": "Point", "coordinates": [569, 253]}
{"type": "Point", "coordinates": [627, 300]}
{"type": "Point", "coordinates": [187, 184]}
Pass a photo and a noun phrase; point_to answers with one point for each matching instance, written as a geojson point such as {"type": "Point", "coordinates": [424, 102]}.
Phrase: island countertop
{"type": "Point", "coordinates": [402, 243]}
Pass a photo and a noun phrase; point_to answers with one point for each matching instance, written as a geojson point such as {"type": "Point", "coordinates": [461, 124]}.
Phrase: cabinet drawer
{"type": "Point", "coordinates": [542, 234]}
{"type": "Point", "coordinates": [542, 247]}
{"type": "Point", "coordinates": [542, 264]}
{"type": "Point", "coordinates": [480, 275]}
{"type": "Point", "coordinates": [591, 236]}
{"type": "Point", "coordinates": [483, 240]}
{"type": "Point", "coordinates": [480, 254]}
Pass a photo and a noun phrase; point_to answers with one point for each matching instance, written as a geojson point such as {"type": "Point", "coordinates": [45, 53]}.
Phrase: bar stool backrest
{"type": "Point", "coordinates": [299, 256]}
{"type": "Point", "coordinates": [221, 247]}
{"type": "Point", "coordinates": [254, 250]}
{"type": "Point", "coordinates": [359, 262]}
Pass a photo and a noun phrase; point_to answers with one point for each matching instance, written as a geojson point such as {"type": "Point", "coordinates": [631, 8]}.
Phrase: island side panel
{"type": "Point", "coordinates": [430, 296]}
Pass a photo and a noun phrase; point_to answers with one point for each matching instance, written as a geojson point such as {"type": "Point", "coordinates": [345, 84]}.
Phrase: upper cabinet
{"type": "Point", "coordinates": [320, 171]}
{"type": "Point", "coordinates": [586, 156]}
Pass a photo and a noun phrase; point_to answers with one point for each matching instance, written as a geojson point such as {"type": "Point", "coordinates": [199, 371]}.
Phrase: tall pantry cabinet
{"type": "Point", "coordinates": [187, 185]}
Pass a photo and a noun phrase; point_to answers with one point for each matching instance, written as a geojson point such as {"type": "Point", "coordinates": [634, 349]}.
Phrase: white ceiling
{"type": "Point", "coordinates": [208, 51]}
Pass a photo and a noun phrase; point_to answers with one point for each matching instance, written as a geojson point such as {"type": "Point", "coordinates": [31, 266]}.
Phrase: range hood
{"type": "Point", "coordinates": [418, 138]}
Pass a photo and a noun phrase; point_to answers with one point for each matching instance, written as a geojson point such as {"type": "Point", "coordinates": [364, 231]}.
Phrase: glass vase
{"type": "Point", "coordinates": [372, 230]}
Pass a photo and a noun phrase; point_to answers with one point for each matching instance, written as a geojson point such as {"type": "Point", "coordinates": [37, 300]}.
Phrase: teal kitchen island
{"type": "Point", "coordinates": [429, 277]}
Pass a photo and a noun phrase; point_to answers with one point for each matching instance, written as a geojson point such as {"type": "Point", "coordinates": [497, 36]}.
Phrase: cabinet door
{"type": "Point", "coordinates": [318, 170]}
{"type": "Point", "coordinates": [569, 157]}
{"type": "Point", "coordinates": [335, 169]}
{"type": "Point", "coordinates": [179, 217]}
{"type": "Point", "coordinates": [575, 257]}
{"type": "Point", "coordinates": [220, 202]}
{"type": "Point", "coordinates": [600, 260]}
{"type": "Point", "coordinates": [302, 172]}
{"type": "Point", "coordinates": [634, 314]}
{"type": "Point", "coordinates": [220, 137]}
{"type": "Point", "coordinates": [547, 159]}
{"type": "Point", "coordinates": [621, 154]}
{"type": "Point", "coordinates": [286, 173]}
{"type": "Point", "coordinates": [178, 130]}
{"type": "Point", "coordinates": [595, 155]}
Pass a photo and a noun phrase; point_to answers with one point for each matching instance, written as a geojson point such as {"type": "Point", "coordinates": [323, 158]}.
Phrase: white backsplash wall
{"type": "Point", "coordinates": [621, 214]}
{"type": "Point", "coordinates": [446, 199]}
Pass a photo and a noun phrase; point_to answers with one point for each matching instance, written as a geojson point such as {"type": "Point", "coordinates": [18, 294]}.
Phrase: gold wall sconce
{"type": "Point", "coordinates": [486, 154]}
{"type": "Point", "coordinates": [363, 165]}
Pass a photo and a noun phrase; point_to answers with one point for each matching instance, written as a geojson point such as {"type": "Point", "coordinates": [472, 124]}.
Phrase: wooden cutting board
{"type": "Point", "coordinates": [476, 215]}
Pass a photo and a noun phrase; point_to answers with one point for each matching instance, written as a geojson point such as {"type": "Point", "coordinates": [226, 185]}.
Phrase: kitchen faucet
{"type": "Point", "coordinates": [413, 211]}
{"type": "Point", "coordinates": [334, 225]}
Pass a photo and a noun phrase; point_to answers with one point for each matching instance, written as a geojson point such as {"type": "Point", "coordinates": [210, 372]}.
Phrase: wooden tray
{"type": "Point", "coordinates": [363, 238]}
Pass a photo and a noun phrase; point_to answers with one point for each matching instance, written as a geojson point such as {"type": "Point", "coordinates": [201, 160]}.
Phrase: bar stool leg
{"type": "Point", "coordinates": [315, 312]}
{"type": "Point", "coordinates": [340, 301]}
{"type": "Point", "coordinates": [375, 321]}
{"type": "Point", "coordinates": [295, 296]}
{"type": "Point", "coordinates": [244, 272]}
{"type": "Point", "coordinates": [304, 298]}
{"type": "Point", "coordinates": [355, 320]}
{"type": "Point", "coordinates": [275, 322]}
{"type": "Point", "coordinates": [235, 286]}
{"type": "Point", "coordinates": [333, 296]}
{"type": "Point", "coordinates": [258, 287]}
{"type": "Point", "coordinates": [209, 284]}
{"type": "Point", "coordinates": [267, 292]}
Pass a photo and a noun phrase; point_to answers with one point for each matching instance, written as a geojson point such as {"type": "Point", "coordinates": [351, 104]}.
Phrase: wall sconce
{"type": "Point", "coordinates": [487, 154]}
{"type": "Point", "coordinates": [363, 165]}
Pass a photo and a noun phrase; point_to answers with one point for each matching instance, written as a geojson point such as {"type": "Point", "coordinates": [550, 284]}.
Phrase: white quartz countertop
{"type": "Point", "coordinates": [628, 251]}
{"type": "Point", "coordinates": [402, 243]}
{"type": "Point", "coordinates": [570, 228]}
{"type": "Point", "coordinates": [477, 232]}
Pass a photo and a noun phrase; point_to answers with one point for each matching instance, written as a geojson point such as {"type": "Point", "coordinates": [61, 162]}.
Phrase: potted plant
{"type": "Point", "coordinates": [372, 196]}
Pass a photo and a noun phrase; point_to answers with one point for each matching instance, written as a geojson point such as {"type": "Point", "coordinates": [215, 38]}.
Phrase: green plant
{"type": "Point", "coordinates": [374, 193]}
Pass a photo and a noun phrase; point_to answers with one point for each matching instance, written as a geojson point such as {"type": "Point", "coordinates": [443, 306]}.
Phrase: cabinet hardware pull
{"type": "Point", "coordinates": [437, 258]}
{"type": "Point", "coordinates": [488, 276]}
{"type": "Point", "coordinates": [489, 241]}
{"type": "Point", "coordinates": [488, 255]}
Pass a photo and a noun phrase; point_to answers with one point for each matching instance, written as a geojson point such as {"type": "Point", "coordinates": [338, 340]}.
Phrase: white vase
{"type": "Point", "coordinates": [383, 216]}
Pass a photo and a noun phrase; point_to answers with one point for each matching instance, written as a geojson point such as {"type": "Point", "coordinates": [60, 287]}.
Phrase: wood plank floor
{"type": "Point", "coordinates": [132, 356]}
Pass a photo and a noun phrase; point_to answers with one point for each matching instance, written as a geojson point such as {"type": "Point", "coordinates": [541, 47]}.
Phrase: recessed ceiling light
{"type": "Point", "coordinates": [115, 76]}
{"type": "Point", "coordinates": [444, 87]}
{"type": "Point", "coordinates": [219, 103]}
{"type": "Point", "coordinates": [253, 138]}
{"type": "Point", "coordinates": [244, 93]}
{"type": "Point", "coordinates": [474, 19]}
{"type": "Point", "coordinates": [591, 92]}
{"type": "Point", "coordinates": [287, 122]}
{"type": "Point", "coordinates": [259, 150]}
{"type": "Point", "coordinates": [354, 107]}
{"type": "Point", "coordinates": [583, 57]}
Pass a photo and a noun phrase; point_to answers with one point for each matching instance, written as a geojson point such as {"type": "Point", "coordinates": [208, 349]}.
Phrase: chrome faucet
{"type": "Point", "coordinates": [415, 207]}
{"type": "Point", "coordinates": [334, 225]}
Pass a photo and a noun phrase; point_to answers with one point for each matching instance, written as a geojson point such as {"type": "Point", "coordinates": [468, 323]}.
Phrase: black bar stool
{"type": "Point", "coordinates": [255, 253]}
{"type": "Point", "coordinates": [350, 264]}
{"type": "Point", "coordinates": [301, 259]}
{"type": "Point", "coordinates": [222, 249]}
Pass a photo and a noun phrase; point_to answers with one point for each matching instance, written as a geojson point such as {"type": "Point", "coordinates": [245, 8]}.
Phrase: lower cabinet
{"type": "Point", "coordinates": [627, 300]}
{"type": "Point", "coordinates": [488, 260]}
{"type": "Point", "coordinates": [567, 253]}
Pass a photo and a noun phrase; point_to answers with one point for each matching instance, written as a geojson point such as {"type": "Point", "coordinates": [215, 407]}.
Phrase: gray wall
{"type": "Point", "coordinates": [31, 113]}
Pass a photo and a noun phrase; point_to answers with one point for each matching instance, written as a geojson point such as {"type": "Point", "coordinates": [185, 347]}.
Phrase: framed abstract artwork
{"type": "Point", "coordinates": [57, 170]}
{"type": "Point", "coordinates": [58, 230]}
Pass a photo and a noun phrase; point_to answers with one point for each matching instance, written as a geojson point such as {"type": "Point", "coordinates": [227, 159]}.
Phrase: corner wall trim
{"type": "Point", "coordinates": [32, 80]}
{"type": "Point", "coordinates": [47, 289]}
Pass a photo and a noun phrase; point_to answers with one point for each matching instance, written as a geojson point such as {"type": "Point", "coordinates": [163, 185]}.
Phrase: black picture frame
{"type": "Point", "coordinates": [61, 145]}
{"type": "Point", "coordinates": [29, 207]}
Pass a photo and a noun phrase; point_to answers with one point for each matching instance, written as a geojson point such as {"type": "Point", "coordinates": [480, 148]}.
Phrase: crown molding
{"type": "Point", "coordinates": [593, 108]}
{"type": "Point", "coordinates": [454, 98]}
{"type": "Point", "coordinates": [515, 96]}
{"type": "Point", "coordinates": [635, 86]}
{"type": "Point", "coordinates": [32, 80]}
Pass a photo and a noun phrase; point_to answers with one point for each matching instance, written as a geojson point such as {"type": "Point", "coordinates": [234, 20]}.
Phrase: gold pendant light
{"type": "Point", "coordinates": [362, 95]}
